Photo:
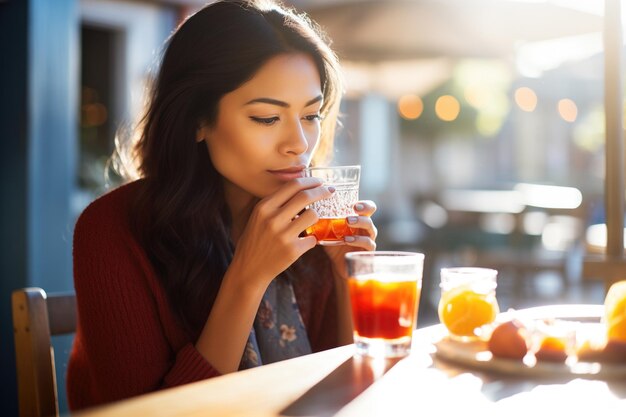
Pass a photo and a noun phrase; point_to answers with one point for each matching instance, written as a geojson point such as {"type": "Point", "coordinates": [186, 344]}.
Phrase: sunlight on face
{"type": "Point", "coordinates": [267, 130]}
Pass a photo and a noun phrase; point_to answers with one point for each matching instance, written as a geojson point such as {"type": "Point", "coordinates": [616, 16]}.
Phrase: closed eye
{"type": "Point", "coordinates": [267, 121]}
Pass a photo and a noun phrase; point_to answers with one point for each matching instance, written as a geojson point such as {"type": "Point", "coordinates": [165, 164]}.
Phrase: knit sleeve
{"type": "Point", "coordinates": [122, 348]}
{"type": "Point", "coordinates": [315, 292]}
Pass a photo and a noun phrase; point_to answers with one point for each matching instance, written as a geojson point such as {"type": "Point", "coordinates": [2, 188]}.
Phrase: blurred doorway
{"type": "Point", "coordinates": [100, 55]}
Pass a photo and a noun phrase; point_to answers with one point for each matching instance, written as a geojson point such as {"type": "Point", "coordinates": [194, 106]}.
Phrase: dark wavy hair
{"type": "Point", "coordinates": [180, 214]}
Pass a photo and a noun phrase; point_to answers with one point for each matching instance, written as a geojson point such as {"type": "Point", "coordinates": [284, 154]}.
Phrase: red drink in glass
{"type": "Point", "coordinates": [384, 310]}
{"type": "Point", "coordinates": [384, 290]}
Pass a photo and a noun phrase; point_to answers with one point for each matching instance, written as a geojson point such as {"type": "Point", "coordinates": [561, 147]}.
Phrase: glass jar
{"type": "Point", "coordinates": [468, 300]}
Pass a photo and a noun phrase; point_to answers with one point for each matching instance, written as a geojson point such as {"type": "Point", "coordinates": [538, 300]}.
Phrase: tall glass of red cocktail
{"type": "Point", "coordinates": [384, 292]}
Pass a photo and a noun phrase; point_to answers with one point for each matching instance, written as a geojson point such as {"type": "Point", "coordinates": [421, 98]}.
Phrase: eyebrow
{"type": "Point", "coordinates": [275, 102]}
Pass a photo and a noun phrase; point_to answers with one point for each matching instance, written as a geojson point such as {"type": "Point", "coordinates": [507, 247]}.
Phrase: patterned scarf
{"type": "Point", "coordinates": [278, 332]}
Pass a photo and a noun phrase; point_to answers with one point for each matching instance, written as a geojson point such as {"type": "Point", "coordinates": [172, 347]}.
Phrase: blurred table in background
{"type": "Point", "coordinates": [523, 231]}
{"type": "Point", "coordinates": [598, 265]}
{"type": "Point", "coordinates": [595, 239]}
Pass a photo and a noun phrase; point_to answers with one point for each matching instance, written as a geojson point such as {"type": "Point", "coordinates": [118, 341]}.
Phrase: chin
{"type": "Point", "coordinates": [263, 191]}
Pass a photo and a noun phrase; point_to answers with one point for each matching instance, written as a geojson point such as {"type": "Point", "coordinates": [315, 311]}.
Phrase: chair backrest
{"type": "Point", "coordinates": [37, 317]}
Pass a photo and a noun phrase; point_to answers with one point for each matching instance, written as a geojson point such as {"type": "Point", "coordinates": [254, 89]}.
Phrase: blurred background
{"type": "Point", "coordinates": [479, 124]}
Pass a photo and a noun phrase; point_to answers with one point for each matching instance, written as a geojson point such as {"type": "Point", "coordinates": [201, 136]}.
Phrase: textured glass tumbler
{"type": "Point", "coordinates": [332, 226]}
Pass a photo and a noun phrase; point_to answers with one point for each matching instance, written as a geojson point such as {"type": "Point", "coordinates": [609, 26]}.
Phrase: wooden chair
{"type": "Point", "coordinates": [37, 317]}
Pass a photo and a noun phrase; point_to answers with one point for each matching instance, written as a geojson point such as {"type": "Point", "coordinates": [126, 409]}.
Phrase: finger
{"type": "Point", "coordinates": [306, 243]}
{"type": "Point", "coordinates": [364, 242]}
{"type": "Point", "coordinates": [364, 225]}
{"type": "Point", "coordinates": [304, 220]}
{"type": "Point", "coordinates": [302, 199]}
{"type": "Point", "coordinates": [290, 189]}
{"type": "Point", "coordinates": [365, 207]}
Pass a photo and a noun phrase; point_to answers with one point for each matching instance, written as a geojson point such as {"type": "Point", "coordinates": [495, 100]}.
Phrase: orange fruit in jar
{"type": "Point", "coordinates": [615, 312]}
{"type": "Point", "coordinates": [463, 310]}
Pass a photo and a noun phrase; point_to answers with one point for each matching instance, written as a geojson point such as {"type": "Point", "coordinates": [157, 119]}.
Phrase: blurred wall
{"type": "Point", "coordinates": [37, 151]}
{"type": "Point", "coordinates": [39, 148]}
{"type": "Point", "coordinates": [13, 85]}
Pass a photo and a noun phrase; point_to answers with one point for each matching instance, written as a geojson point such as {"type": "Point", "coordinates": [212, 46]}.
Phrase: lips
{"type": "Point", "coordinates": [288, 173]}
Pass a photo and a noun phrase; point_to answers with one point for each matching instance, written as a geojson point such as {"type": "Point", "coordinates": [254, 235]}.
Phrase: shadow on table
{"type": "Point", "coordinates": [340, 387]}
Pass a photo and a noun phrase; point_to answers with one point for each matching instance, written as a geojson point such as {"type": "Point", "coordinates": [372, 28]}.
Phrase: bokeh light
{"type": "Point", "coordinates": [485, 85]}
{"type": "Point", "coordinates": [447, 108]}
{"type": "Point", "coordinates": [410, 106]}
{"type": "Point", "coordinates": [93, 115]}
{"type": "Point", "coordinates": [526, 99]}
{"type": "Point", "coordinates": [589, 132]}
{"type": "Point", "coordinates": [568, 110]}
{"type": "Point", "coordinates": [476, 96]}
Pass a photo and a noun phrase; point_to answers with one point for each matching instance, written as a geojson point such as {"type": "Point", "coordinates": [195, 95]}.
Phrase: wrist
{"type": "Point", "coordinates": [245, 279]}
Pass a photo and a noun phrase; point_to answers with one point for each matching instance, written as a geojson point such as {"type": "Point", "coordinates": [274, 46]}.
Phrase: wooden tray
{"type": "Point", "coordinates": [476, 355]}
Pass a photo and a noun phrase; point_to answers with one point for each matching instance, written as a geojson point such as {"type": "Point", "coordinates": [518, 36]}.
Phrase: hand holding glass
{"type": "Point", "coordinates": [332, 226]}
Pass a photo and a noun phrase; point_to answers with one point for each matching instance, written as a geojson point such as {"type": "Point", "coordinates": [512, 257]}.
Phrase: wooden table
{"type": "Point", "coordinates": [334, 382]}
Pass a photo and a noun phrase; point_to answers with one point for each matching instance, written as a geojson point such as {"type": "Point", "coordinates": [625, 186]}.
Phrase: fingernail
{"type": "Point", "coordinates": [359, 207]}
{"type": "Point", "coordinates": [331, 189]}
{"type": "Point", "coordinates": [352, 219]}
{"type": "Point", "coordinates": [349, 239]}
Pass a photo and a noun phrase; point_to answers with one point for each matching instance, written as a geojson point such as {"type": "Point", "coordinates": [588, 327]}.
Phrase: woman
{"type": "Point", "coordinates": [199, 268]}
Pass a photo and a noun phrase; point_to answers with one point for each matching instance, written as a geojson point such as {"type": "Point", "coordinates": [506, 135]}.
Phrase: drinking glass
{"type": "Point", "coordinates": [468, 300]}
{"type": "Point", "coordinates": [384, 292]}
{"type": "Point", "coordinates": [332, 226]}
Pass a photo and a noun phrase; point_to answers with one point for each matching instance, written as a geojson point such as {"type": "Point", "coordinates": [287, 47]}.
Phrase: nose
{"type": "Point", "coordinates": [295, 140]}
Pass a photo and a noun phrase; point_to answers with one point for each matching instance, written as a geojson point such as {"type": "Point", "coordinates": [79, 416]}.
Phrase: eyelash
{"type": "Point", "coordinates": [313, 117]}
{"type": "Point", "coordinates": [266, 121]}
{"type": "Point", "coordinates": [269, 121]}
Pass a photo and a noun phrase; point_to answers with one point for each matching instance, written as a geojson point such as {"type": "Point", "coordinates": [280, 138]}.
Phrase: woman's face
{"type": "Point", "coordinates": [267, 129]}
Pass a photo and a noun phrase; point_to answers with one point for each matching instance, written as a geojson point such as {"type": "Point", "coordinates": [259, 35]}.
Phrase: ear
{"type": "Point", "coordinates": [202, 133]}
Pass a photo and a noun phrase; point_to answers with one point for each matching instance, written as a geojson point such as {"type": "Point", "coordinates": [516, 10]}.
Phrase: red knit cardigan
{"type": "Point", "coordinates": [128, 340]}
